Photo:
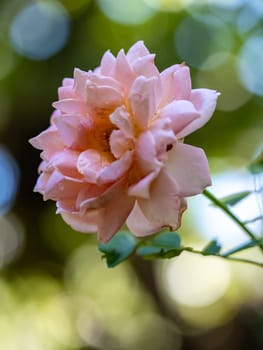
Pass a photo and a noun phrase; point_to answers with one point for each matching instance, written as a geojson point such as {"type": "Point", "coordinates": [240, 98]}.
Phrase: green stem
{"type": "Point", "coordinates": [244, 246]}
{"type": "Point", "coordinates": [225, 208]}
{"type": "Point", "coordinates": [243, 260]}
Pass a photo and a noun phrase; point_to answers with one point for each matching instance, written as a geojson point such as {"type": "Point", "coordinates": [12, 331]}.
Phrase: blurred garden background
{"type": "Point", "coordinates": [55, 290]}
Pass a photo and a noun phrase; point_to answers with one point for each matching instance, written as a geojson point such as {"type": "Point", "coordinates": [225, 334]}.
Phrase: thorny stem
{"type": "Point", "coordinates": [225, 208]}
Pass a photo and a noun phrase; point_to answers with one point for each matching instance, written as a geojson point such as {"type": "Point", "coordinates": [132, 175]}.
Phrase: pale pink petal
{"type": "Point", "coordinates": [188, 166]}
{"type": "Point", "coordinates": [204, 100]}
{"type": "Point", "coordinates": [139, 225]}
{"type": "Point", "coordinates": [70, 106]}
{"type": "Point", "coordinates": [122, 119]}
{"type": "Point", "coordinates": [85, 223]}
{"type": "Point", "coordinates": [176, 84]}
{"type": "Point", "coordinates": [181, 113]}
{"type": "Point", "coordinates": [66, 162]}
{"type": "Point", "coordinates": [90, 163]}
{"type": "Point", "coordinates": [145, 66]}
{"type": "Point", "coordinates": [142, 100]}
{"type": "Point", "coordinates": [65, 92]}
{"type": "Point", "coordinates": [104, 199]}
{"type": "Point", "coordinates": [120, 143]}
{"type": "Point", "coordinates": [107, 65]}
{"type": "Point", "coordinates": [68, 82]}
{"type": "Point", "coordinates": [123, 71]}
{"type": "Point", "coordinates": [141, 189]}
{"type": "Point", "coordinates": [116, 169]}
{"type": "Point", "coordinates": [80, 79]}
{"type": "Point", "coordinates": [49, 141]}
{"type": "Point", "coordinates": [165, 206]}
{"type": "Point", "coordinates": [137, 50]}
{"type": "Point", "coordinates": [102, 99]}
{"type": "Point", "coordinates": [57, 186]}
{"type": "Point", "coordinates": [102, 80]}
{"type": "Point", "coordinates": [146, 155]}
{"type": "Point", "coordinates": [163, 136]}
{"type": "Point", "coordinates": [113, 216]}
{"type": "Point", "coordinates": [73, 130]}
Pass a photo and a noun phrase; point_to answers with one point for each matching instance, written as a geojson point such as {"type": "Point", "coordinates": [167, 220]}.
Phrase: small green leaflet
{"type": "Point", "coordinates": [235, 198]}
{"type": "Point", "coordinates": [163, 245]}
{"type": "Point", "coordinates": [212, 248]}
{"type": "Point", "coordinates": [119, 248]}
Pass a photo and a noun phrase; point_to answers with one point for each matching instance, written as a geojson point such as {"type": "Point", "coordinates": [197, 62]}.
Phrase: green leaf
{"type": "Point", "coordinates": [167, 240]}
{"type": "Point", "coordinates": [212, 248]}
{"type": "Point", "coordinates": [119, 248]}
{"type": "Point", "coordinates": [153, 252]}
{"type": "Point", "coordinates": [235, 198]}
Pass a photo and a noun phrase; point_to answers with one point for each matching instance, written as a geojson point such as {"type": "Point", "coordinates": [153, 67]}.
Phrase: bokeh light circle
{"type": "Point", "coordinates": [170, 5]}
{"type": "Point", "coordinates": [196, 38]}
{"type": "Point", "coordinates": [209, 281]}
{"type": "Point", "coordinates": [219, 72]}
{"type": "Point", "coordinates": [9, 180]}
{"type": "Point", "coordinates": [126, 11]}
{"type": "Point", "coordinates": [250, 65]}
{"type": "Point", "coordinates": [40, 30]}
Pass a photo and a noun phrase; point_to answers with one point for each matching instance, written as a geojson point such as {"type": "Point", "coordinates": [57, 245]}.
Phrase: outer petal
{"type": "Point", "coordinates": [165, 206]}
{"type": "Point", "coordinates": [139, 225]}
{"type": "Point", "coordinates": [49, 141]}
{"type": "Point", "coordinates": [181, 113]}
{"type": "Point", "coordinates": [108, 62]}
{"type": "Point", "coordinates": [86, 223]}
{"type": "Point", "coordinates": [70, 106]}
{"type": "Point", "coordinates": [113, 217]}
{"type": "Point", "coordinates": [142, 188]}
{"type": "Point", "coordinates": [176, 84]}
{"type": "Point", "coordinates": [204, 101]}
{"type": "Point", "coordinates": [66, 162]}
{"type": "Point", "coordinates": [123, 71]}
{"type": "Point", "coordinates": [145, 66]}
{"type": "Point", "coordinates": [188, 166]}
{"type": "Point", "coordinates": [57, 186]}
{"type": "Point", "coordinates": [136, 51]}
{"type": "Point", "coordinates": [80, 79]}
{"type": "Point", "coordinates": [142, 100]}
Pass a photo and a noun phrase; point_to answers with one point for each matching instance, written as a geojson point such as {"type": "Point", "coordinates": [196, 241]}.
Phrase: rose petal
{"type": "Point", "coordinates": [146, 155]}
{"type": "Point", "coordinates": [142, 187]}
{"type": "Point", "coordinates": [123, 72]}
{"type": "Point", "coordinates": [107, 65]}
{"type": "Point", "coordinates": [181, 113]}
{"type": "Point", "coordinates": [145, 66]}
{"type": "Point", "coordinates": [142, 100]}
{"type": "Point", "coordinates": [90, 163]}
{"type": "Point", "coordinates": [163, 136]}
{"type": "Point", "coordinates": [122, 119]}
{"type": "Point", "coordinates": [119, 143]}
{"type": "Point", "coordinates": [165, 206]}
{"type": "Point", "coordinates": [139, 225]}
{"type": "Point", "coordinates": [204, 100]}
{"type": "Point", "coordinates": [70, 106]}
{"type": "Point", "coordinates": [102, 99]}
{"type": "Point", "coordinates": [188, 166]}
{"type": "Point", "coordinates": [80, 80]}
{"type": "Point", "coordinates": [116, 169]}
{"type": "Point", "coordinates": [136, 51]}
{"type": "Point", "coordinates": [85, 223]}
{"type": "Point", "coordinates": [176, 84]}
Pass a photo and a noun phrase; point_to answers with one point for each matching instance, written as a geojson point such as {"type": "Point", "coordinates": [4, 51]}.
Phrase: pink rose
{"type": "Point", "coordinates": [114, 151]}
